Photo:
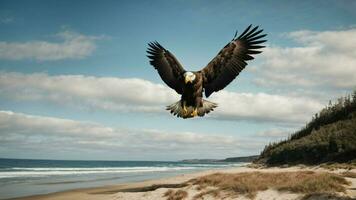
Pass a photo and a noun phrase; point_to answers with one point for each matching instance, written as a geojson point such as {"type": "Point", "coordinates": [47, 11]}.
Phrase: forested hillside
{"type": "Point", "coordinates": [329, 136]}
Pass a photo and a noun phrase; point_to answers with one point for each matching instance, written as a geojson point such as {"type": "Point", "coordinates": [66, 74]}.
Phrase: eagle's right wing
{"type": "Point", "coordinates": [168, 67]}
{"type": "Point", "coordinates": [231, 60]}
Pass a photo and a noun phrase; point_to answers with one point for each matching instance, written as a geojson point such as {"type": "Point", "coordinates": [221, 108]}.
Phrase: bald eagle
{"type": "Point", "coordinates": [219, 72]}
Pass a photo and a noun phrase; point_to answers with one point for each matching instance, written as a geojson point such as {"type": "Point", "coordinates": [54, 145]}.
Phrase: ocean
{"type": "Point", "coordinates": [22, 177]}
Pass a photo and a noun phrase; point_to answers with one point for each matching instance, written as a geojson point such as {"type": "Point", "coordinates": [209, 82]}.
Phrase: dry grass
{"type": "Point", "coordinates": [250, 183]}
{"type": "Point", "coordinates": [256, 166]}
{"type": "Point", "coordinates": [175, 195]}
{"type": "Point", "coordinates": [349, 174]}
{"type": "Point", "coordinates": [320, 196]}
{"type": "Point", "coordinates": [336, 166]}
{"type": "Point", "coordinates": [212, 192]}
{"type": "Point", "coordinates": [168, 193]}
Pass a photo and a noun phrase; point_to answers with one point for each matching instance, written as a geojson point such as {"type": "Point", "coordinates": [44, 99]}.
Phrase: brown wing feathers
{"type": "Point", "coordinates": [167, 65]}
{"type": "Point", "coordinates": [231, 60]}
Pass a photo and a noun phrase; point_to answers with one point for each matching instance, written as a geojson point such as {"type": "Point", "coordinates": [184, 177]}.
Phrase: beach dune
{"type": "Point", "coordinates": [187, 186]}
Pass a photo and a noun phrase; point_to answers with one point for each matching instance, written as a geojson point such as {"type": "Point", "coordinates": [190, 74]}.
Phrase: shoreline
{"type": "Point", "coordinates": [155, 188]}
{"type": "Point", "coordinates": [121, 186]}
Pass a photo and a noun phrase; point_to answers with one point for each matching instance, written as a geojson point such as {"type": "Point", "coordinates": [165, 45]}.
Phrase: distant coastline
{"type": "Point", "coordinates": [230, 159]}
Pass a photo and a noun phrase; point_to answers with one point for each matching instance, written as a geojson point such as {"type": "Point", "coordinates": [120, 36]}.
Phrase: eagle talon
{"type": "Point", "coordinates": [185, 110]}
{"type": "Point", "coordinates": [195, 112]}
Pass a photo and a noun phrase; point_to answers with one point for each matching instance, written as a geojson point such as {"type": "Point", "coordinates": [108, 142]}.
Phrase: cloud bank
{"type": "Point", "coordinates": [42, 136]}
{"type": "Point", "coordinates": [324, 60]}
{"type": "Point", "coordinates": [262, 107]}
{"type": "Point", "coordinates": [72, 46]}
{"type": "Point", "coordinates": [138, 95]}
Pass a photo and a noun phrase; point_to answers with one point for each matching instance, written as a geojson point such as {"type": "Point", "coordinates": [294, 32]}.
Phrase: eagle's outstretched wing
{"type": "Point", "coordinates": [168, 67]}
{"type": "Point", "coordinates": [231, 60]}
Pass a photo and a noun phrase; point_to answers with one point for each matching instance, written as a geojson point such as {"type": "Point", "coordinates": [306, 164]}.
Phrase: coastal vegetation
{"type": "Point", "coordinates": [175, 195]}
{"type": "Point", "coordinates": [329, 137]}
{"type": "Point", "coordinates": [250, 183]}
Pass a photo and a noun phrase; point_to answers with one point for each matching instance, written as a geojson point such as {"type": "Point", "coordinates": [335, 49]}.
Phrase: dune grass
{"type": "Point", "coordinates": [349, 174]}
{"type": "Point", "coordinates": [250, 183]}
{"type": "Point", "coordinates": [175, 195]}
{"type": "Point", "coordinates": [212, 192]}
{"type": "Point", "coordinates": [317, 196]}
{"type": "Point", "coordinates": [335, 166]}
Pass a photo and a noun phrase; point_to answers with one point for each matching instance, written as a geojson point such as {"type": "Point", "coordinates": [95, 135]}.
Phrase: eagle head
{"type": "Point", "coordinates": [189, 77]}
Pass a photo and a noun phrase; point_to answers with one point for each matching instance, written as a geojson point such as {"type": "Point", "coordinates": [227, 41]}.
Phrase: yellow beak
{"type": "Point", "coordinates": [187, 79]}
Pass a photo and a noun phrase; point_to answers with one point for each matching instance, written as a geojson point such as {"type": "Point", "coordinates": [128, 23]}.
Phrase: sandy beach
{"type": "Point", "coordinates": [161, 188]}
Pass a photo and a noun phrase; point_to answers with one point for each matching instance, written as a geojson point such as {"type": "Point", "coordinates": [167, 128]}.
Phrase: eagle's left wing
{"type": "Point", "coordinates": [168, 67]}
{"type": "Point", "coordinates": [231, 60]}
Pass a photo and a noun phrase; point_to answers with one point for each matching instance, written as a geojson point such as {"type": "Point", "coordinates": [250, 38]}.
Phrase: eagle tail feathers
{"type": "Point", "coordinates": [206, 108]}
{"type": "Point", "coordinates": [177, 110]}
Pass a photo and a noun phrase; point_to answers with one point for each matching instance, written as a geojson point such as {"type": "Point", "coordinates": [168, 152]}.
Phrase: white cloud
{"type": "Point", "coordinates": [264, 107]}
{"type": "Point", "coordinates": [72, 46]}
{"type": "Point", "coordinates": [43, 136]}
{"type": "Point", "coordinates": [324, 60]}
{"type": "Point", "coordinates": [138, 95]}
{"type": "Point", "coordinates": [88, 92]}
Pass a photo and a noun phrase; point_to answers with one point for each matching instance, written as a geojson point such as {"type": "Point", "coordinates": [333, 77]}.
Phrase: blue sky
{"type": "Point", "coordinates": [85, 62]}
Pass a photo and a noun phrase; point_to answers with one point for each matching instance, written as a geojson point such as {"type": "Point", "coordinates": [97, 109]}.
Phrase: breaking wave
{"type": "Point", "coordinates": [39, 172]}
